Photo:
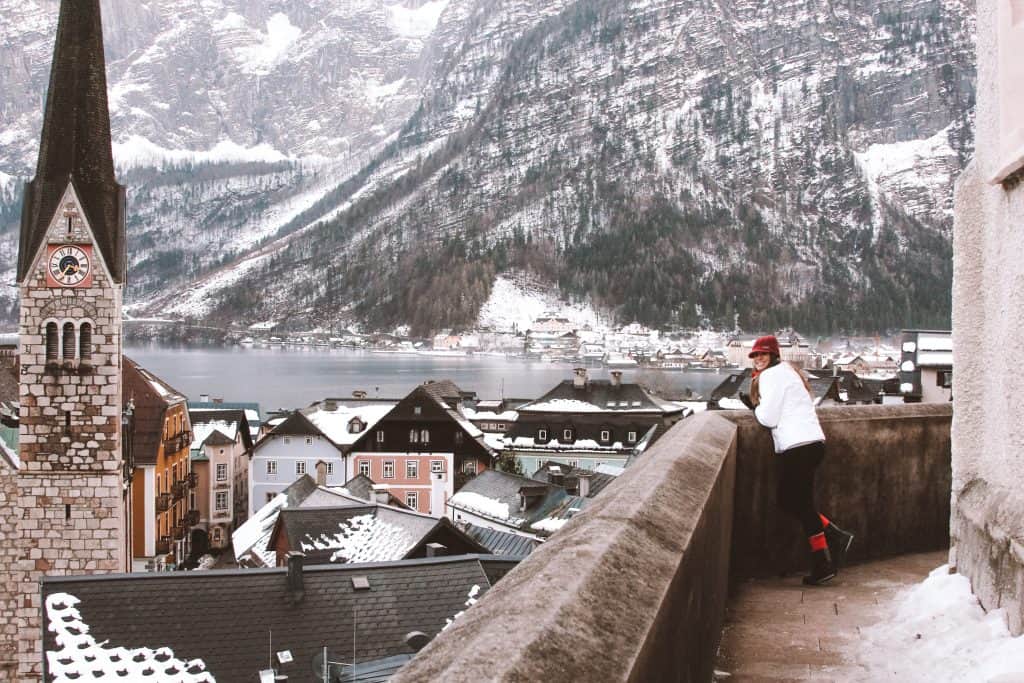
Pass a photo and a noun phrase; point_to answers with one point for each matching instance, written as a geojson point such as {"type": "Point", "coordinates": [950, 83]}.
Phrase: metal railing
{"type": "Point", "coordinates": [163, 502]}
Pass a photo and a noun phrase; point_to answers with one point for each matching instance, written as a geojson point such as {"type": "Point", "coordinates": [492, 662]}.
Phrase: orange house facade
{"type": "Point", "coordinates": [160, 435]}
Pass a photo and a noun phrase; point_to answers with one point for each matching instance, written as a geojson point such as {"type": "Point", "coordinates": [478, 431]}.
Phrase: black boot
{"type": "Point", "coordinates": [822, 568]}
{"type": "Point", "coordinates": [839, 543]}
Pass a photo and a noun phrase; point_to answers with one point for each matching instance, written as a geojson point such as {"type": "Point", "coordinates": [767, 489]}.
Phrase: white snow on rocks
{"type": "Point", "coordinates": [136, 151]}
{"type": "Point", "coordinates": [415, 23]}
{"type": "Point", "coordinates": [78, 656]}
{"type": "Point", "coordinates": [939, 632]}
{"type": "Point", "coordinates": [518, 299]}
{"type": "Point", "coordinates": [272, 47]}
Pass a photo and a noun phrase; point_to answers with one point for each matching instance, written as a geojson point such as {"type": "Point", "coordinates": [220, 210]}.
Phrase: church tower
{"type": "Point", "coordinates": [71, 271]}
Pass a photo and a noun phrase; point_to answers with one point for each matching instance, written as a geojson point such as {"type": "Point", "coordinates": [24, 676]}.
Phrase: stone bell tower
{"type": "Point", "coordinates": [71, 271]}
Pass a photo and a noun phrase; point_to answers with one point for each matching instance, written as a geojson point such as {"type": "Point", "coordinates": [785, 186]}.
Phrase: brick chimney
{"type": "Point", "coordinates": [330, 405]}
{"type": "Point", "coordinates": [616, 376]}
{"type": "Point", "coordinates": [359, 393]}
{"type": "Point", "coordinates": [436, 550]}
{"type": "Point", "coordinates": [381, 494]}
{"type": "Point", "coordinates": [321, 473]}
{"type": "Point", "coordinates": [584, 485]}
{"type": "Point", "coordinates": [556, 476]}
{"type": "Point", "coordinates": [579, 379]}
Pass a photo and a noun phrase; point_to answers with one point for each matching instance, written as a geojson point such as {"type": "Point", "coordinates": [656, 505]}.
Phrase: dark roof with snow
{"type": "Point", "coordinates": [75, 143]}
{"type": "Point", "coordinates": [297, 424]}
{"type": "Point", "coordinates": [599, 396]}
{"type": "Point", "coordinates": [198, 416]}
{"type": "Point", "coordinates": [544, 500]}
{"type": "Point", "coordinates": [598, 480]}
{"type": "Point", "coordinates": [226, 616]}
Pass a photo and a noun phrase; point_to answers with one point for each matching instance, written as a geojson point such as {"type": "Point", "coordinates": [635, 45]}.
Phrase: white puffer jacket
{"type": "Point", "coordinates": [787, 408]}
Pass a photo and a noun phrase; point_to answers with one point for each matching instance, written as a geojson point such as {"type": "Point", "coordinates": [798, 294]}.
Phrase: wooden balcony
{"type": "Point", "coordinates": [191, 518]}
{"type": "Point", "coordinates": [163, 502]}
{"type": "Point", "coordinates": [163, 546]}
{"type": "Point", "coordinates": [192, 479]}
{"type": "Point", "coordinates": [178, 489]}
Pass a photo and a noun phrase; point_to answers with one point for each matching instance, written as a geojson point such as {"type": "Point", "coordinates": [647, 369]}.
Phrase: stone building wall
{"type": "Point", "coordinates": [69, 490]}
{"type": "Point", "coordinates": [987, 521]}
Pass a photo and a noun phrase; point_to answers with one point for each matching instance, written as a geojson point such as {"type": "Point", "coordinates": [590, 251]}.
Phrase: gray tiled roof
{"type": "Point", "coordinates": [501, 542]}
{"type": "Point", "coordinates": [553, 501]}
{"type": "Point", "coordinates": [227, 618]}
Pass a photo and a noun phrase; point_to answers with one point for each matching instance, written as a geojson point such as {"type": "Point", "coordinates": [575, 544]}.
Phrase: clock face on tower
{"type": "Point", "coordinates": [69, 265]}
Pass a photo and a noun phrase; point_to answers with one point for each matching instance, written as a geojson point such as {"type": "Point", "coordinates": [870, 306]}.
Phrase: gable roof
{"type": "Point", "coordinates": [296, 424]}
{"type": "Point", "coordinates": [333, 418]}
{"type": "Point", "coordinates": [231, 613]}
{"type": "Point", "coordinates": [235, 419]}
{"type": "Point", "coordinates": [75, 143]}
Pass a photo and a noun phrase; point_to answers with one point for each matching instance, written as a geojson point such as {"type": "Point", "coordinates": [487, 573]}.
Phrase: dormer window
{"type": "Point", "coordinates": [567, 435]}
{"type": "Point", "coordinates": [355, 426]}
{"type": "Point", "coordinates": [631, 437]}
{"type": "Point", "coordinates": [542, 435]}
{"type": "Point", "coordinates": [417, 410]}
{"type": "Point", "coordinates": [606, 435]}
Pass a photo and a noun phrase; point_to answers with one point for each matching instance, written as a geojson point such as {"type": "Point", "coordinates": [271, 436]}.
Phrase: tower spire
{"type": "Point", "coordinates": [75, 146]}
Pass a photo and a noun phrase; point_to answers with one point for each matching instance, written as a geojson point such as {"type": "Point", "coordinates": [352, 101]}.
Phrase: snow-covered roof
{"type": "Point", "coordinates": [366, 538]}
{"type": "Point", "coordinates": [486, 506]}
{"type": "Point", "coordinates": [528, 442]}
{"type": "Point", "coordinates": [335, 423]}
{"type": "Point", "coordinates": [79, 655]}
{"type": "Point", "coordinates": [202, 431]}
{"type": "Point", "coordinates": [505, 416]}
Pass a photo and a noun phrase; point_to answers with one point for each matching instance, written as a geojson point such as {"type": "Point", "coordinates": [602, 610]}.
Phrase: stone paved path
{"type": "Point", "coordinates": [779, 630]}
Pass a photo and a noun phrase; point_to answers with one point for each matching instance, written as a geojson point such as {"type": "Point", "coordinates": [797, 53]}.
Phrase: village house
{"type": "Point", "coordinates": [160, 434]}
{"type": "Point", "coordinates": [588, 423]}
{"type": "Point", "coordinates": [926, 366]}
{"type": "Point", "coordinates": [421, 446]}
{"type": "Point", "coordinates": [220, 450]}
{"type": "Point", "coordinates": [251, 409]}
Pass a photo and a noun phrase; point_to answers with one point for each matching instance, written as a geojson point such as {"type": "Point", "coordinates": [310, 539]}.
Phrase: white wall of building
{"type": "Point", "coordinates": [287, 452]}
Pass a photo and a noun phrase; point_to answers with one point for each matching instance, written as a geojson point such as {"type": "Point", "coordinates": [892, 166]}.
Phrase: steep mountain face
{"type": "Point", "coordinates": [672, 161]}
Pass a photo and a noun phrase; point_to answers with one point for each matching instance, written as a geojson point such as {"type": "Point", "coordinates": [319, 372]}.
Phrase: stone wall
{"type": "Point", "coordinates": [988, 325]}
{"type": "Point", "coordinates": [886, 478]}
{"type": "Point", "coordinates": [633, 589]}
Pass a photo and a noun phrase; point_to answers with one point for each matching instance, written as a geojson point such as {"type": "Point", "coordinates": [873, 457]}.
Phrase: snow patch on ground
{"type": "Point", "coordinates": [376, 91]}
{"type": "Point", "coordinates": [272, 48]}
{"type": "Point", "coordinates": [415, 23]}
{"type": "Point", "coordinates": [517, 300]}
{"type": "Point", "coordinates": [939, 632]}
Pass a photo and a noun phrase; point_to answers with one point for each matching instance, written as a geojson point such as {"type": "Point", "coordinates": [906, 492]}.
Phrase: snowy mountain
{"type": "Point", "coordinates": [392, 163]}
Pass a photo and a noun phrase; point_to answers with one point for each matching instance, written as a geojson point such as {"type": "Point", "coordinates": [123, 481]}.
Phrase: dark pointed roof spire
{"type": "Point", "coordinates": [75, 143]}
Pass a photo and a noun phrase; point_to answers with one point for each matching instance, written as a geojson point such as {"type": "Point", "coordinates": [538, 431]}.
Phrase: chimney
{"type": "Point", "coordinates": [295, 586]}
{"type": "Point", "coordinates": [321, 473]}
{"type": "Point", "coordinates": [381, 494]}
{"type": "Point", "coordinates": [584, 484]}
{"type": "Point", "coordinates": [579, 379]}
{"type": "Point", "coordinates": [219, 400]}
{"type": "Point", "coordinates": [436, 550]}
{"type": "Point", "coordinates": [555, 475]}
{"type": "Point", "coordinates": [204, 398]}
{"type": "Point", "coordinates": [616, 376]}
{"type": "Point", "coordinates": [359, 393]}
{"type": "Point", "coordinates": [330, 405]}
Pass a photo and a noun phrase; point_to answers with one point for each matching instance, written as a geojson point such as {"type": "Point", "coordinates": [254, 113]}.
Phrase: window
{"type": "Point", "coordinates": [606, 436]}
{"type": "Point", "coordinates": [364, 468]}
{"type": "Point", "coordinates": [52, 343]}
{"type": "Point", "coordinates": [271, 496]}
{"type": "Point", "coordinates": [271, 467]}
{"type": "Point", "coordinates": [300, 467]}
{"type": "Point", "coordinates": [437, 466]}
{"type": "Point", "coordinates": [944, 379]}
{"type": "Point", "coordinates": [222, 501]}
{"type": "Point", "coordinates": [413, 436]}
{"type": "Point", "coordinates": [68, 340]}
{"type": "Point", "coordinates": [469, 467]}
{"type": "Point", "coordinates": [417, 410]}
{"type": "Point", "coordinates": [458, 437]}
{"type": "Point", "coordinates": [412, 499]}
{"type": "Point", "coordinates": [389, 469]}
{"type": "Point", "coordinates": [425, 435]}
{"type": "Point", "coordinates": [287, 440]}
{"type": "Point", "coordinates": [573, 462]}
{"type": "Point", "coordinates": [222, 472]}
{"type": "Point", "coordinates": [217, 534]}
{"type": "Point", "coordinates": [355, 426]}
{"type": "Point", "coordinates": [309, 441]}
{"type": "Point", "coordinates": [412, 469]}
{"type": "Point", "coordinates": [330, 468]}
{"type": "Point", "coordinates": [542, 435]}
{"type": "Point", "coordinates": [501, 426]}
{"type": "Point", "coordinates": [380, 436]}
{"type": "Point", "coordinates": [85, 342]}
{"type": "Point", "coordinates": [566, 435]}
{"type": "Point", "coordinates": [631, 437]}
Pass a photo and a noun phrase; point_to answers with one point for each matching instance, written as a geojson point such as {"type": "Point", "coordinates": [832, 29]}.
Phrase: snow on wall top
{"type": "Point", "coordinates": [79, 655]}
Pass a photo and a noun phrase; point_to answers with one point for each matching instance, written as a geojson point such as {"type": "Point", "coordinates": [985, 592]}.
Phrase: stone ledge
{"type": "Point", "coordinates": [632, 589]}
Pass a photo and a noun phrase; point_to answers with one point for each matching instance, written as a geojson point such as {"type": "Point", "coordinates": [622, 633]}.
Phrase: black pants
{"type": "Point", "coordinates": [796, 484]}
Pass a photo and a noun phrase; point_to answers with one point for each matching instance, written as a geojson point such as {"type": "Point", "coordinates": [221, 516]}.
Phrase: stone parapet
{"type": "Point", "coordinates": [632, 589]}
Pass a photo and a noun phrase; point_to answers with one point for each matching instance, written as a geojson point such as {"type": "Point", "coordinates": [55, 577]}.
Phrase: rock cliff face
{"type": "Point", "coordinates": [671, 161]}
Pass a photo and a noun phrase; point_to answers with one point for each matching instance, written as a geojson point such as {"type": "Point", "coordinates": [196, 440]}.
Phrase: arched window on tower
{"type": "Point", "coordinates": [85, 343]}
{"type": "Point", "coordinates": [69, 341]}
{"type": "Point", "coordinates": [52, 343]}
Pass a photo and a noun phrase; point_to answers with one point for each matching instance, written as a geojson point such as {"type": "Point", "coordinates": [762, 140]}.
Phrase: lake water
{"type": "Point", "coordinates": [294, 377]}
